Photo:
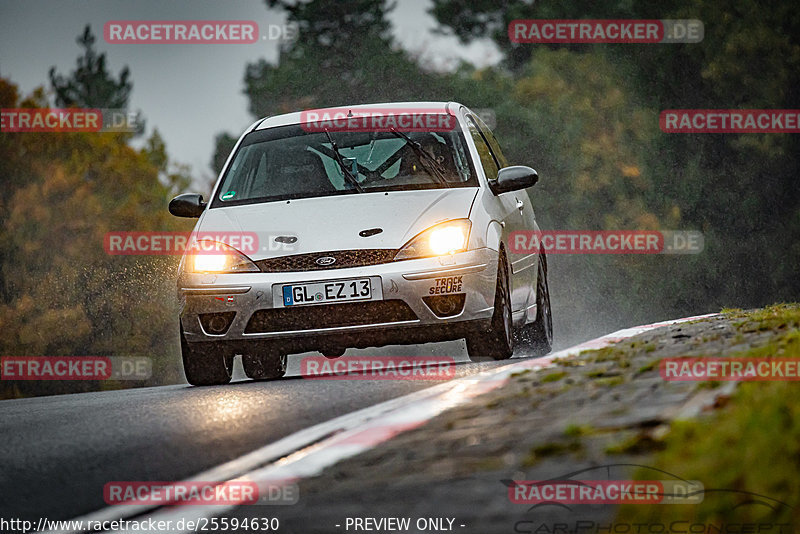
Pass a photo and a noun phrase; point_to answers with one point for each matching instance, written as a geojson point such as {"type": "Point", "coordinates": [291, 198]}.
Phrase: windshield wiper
{"type": "Point", "coordinates": [433, 167]}
{"type": "Point", "coordinates": [340, 160]}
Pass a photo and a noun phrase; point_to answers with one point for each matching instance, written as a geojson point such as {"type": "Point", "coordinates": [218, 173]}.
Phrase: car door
{"type": "Point", "coordinates": [516, 215]}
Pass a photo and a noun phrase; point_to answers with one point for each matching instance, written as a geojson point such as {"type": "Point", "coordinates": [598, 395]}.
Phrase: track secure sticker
{"type": "Point", "coordinates": [443, 286]}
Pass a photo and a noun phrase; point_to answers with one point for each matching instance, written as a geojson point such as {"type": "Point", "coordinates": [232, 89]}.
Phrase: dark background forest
{"type": "Point", "coordinates": [585, 116]}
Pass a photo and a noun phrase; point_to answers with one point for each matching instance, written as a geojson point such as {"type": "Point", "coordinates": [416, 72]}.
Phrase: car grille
{"type": "Point", "coordinates": [344, 258]}
{"type": "Point", "coordinates": [329, 316]}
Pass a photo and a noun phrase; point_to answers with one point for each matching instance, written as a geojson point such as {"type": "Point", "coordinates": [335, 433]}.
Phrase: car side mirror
{"type": "Point", "coordinates": [187, 205]}
{"type": "Point", "coordinates": [514, 178]}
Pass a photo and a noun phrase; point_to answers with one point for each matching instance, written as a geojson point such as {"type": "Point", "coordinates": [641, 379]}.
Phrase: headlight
{"type": "Point", "coordinates": [444, 238]}
{"type": "Point", "coordinates": [206, 256]}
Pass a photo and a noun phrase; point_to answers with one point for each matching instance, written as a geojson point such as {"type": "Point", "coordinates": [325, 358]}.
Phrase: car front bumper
{"type": "Point", "coordinates": [404, 283]}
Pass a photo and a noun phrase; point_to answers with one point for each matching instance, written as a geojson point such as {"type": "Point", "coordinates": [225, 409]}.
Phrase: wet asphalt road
{"type": "Point", "coordinates": [56, 453]}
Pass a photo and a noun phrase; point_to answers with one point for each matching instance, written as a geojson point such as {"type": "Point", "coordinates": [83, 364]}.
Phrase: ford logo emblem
{"type": "Point", "coordinates": [325, 260]}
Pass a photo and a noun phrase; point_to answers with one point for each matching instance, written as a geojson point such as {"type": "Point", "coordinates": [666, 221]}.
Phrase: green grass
{"type": "Point", "coordinates": [574, 431]}
{"type": "Point", "coordinates": [610, 381]}
{"type": "Point", "coordinates": [637, 444]}
{"type": "Point", "coordinates": [553, 377]}
{"type": "Point", "coordinates": [539, 452]}
{"type": "Point", "coordinates": [494, 403]}
{"type": "Point", "coordinates": [752, 444]}
{"type": "Point", "coordinates": [648, 367]}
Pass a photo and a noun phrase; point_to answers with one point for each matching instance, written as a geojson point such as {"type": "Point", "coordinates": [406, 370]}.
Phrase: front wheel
{"type": "Point", "coordinates": [206, 364]}
{"type": "Point", "coordinates": [539, 334]}
{"type": "Point", "coordinates": [498, 342]}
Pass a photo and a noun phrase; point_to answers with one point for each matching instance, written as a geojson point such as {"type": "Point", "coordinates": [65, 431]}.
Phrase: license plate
{"type": "Point", "coordinates": [326, 292]}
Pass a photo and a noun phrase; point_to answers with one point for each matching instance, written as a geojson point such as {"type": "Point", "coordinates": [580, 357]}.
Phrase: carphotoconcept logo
{"type": "Point", "coordinates": [606, 242]}
{"type": "Point", "coordinates": [588, 526]}
{"type": "Point", "coordinates": [565, 31]}
{"type": "Point", "coordinates": [556, 496]}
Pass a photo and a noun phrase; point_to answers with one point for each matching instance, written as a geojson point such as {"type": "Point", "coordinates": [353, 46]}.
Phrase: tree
{"type": "Point", "coordinates": [343, 53]}
{"type": "Point", "coordinates": [586, 116]}
{"type": "Point", "coordinates": [741, 190]}
{"type": "Point", "coordinates": [61, 294]}
{"type": "Point", "coordinates": [90, 85]}
{"type": "Point", "coordinates": [224, 143]}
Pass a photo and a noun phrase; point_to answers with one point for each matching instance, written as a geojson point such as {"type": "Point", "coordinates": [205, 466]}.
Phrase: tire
{"type": "Point", "coordinates": [265, 365]}
{"type": "Point", "coordinates": [498, 342]}
{"type": "Point", "coordinates": [538, 336]}
{"type": "Point", "coordinates": [205, 364]}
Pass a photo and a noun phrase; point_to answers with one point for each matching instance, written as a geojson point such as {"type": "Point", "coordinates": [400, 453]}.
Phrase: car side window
{"type": "Point", "coordinates": [488, 161]}
{"type": "Point", "coordinates": [493, 144]}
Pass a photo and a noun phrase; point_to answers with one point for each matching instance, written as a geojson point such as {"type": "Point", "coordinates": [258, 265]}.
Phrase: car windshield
{"type": "Point", "coordinates": [289, 162]}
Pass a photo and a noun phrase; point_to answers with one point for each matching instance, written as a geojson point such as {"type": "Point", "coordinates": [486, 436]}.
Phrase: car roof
{"type": "Point", "coordinates": [295, 117]}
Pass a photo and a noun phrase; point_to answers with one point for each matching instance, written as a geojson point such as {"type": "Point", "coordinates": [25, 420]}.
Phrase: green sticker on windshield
{"type": "Point", "coordinates": [229, 195]}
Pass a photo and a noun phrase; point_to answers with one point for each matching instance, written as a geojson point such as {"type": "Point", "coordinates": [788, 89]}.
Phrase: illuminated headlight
{"type": "Point", "coordinates": [444, 238]}
{"type": "Point", "coordinates": [208, 256]}
{"type": "Point", "coordinates": [447, 240]}
{"type": "Point", "coordinates": [210, 262]}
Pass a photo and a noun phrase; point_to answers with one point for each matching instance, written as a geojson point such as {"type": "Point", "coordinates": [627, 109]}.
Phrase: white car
{"type": "Point", "coordinates": [375, 225]}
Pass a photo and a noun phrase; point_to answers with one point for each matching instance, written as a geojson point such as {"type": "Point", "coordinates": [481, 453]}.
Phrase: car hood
{"type": "Point", "coordinates": [333, 223]}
